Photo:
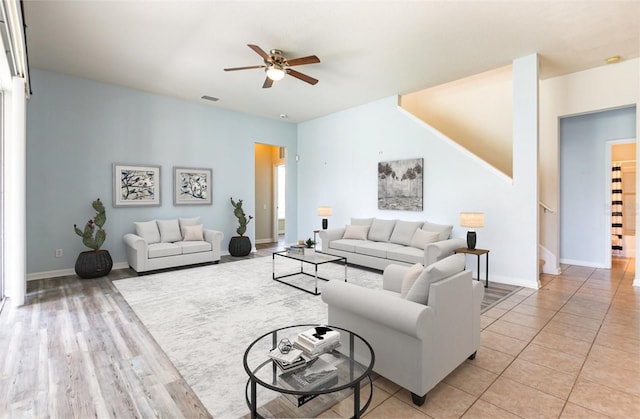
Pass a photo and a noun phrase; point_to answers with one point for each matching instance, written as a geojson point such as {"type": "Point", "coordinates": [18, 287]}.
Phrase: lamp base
{"type": "Point", "coordinates": [471, 240]}
{"type": "Point", "coordinates": [325, 223]}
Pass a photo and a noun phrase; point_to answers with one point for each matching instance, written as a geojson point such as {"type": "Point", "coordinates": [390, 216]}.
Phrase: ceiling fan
{"type": "Point", "coordinates": [277, 66]}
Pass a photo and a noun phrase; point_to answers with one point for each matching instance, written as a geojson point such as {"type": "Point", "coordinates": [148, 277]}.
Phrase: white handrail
{"type": "Point", "coordinates": [546, 207]}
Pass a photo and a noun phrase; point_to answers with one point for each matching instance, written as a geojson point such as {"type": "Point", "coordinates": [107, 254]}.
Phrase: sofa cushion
{"type": "Point", "coordinates": [169, 231]}
{"type": "Point", "coordinates": [419, 292]}
{"type": "Point", "coordinates": [410, 278]}
{"type": "Point", "coordinates": [361, 221]}
{"type": "Point", "coordinates": [193, 233]}
{"type": "Point", "coordinates": [358, 232]}
{"type": "Point", "coordinates": [403, 232]}
{"type": "Point", "coordinates": [148, 230]}
{"type": "Point", "coordinates": [406, 254]}
{"type": "Point", "coordinates": [188, 222]}
{"type": "Point", "coordinates": [376, 249]}
{"type": "Point", "coordinates": [346, 245]}
{"type": "Point", "coordinates": [194, 246]}
{"type": "Point", "coordinates": [421, 238]}
{"type": "Point", "coordinates": [380, 230]}
{"type": "Point", "coordinates": [160, 250]}
{"type": "Point", "coordinates": [444, 230]}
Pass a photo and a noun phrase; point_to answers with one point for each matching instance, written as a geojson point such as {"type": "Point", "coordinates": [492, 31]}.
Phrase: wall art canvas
{"type": "Point", "coordinates": [400, 185]}
{"type": "Point", "coordinates": [191, 186]}
{"type": "Point", "coordinates": [136, 185]}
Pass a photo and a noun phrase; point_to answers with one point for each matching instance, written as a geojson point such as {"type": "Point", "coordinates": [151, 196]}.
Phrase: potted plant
{"type": "Point", "coordinates": [240, 245]}
{"type": "Point", "coordinates": [309, 247]}
{"type": "Point", "coordinates": [93, 263]}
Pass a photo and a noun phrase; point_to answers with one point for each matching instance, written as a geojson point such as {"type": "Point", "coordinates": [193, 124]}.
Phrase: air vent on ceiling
{"type": "Point", "coordinates": [211, 98]}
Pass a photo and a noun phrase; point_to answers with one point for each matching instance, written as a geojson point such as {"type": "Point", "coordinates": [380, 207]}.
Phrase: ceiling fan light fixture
{"type": "Point", "coordinates": [275, 72]}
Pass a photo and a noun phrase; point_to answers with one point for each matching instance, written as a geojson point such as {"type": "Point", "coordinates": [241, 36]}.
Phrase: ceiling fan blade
{"type": "Point", "coordinates": [244, 68]}
{"type": "Point", "coordinates": [311, 59]}
{"type": "Point", "coordinates": [301, 76]}
{"type": "Point", "coordinates": [260, 52]}
{"type": "Point", "coordinates": [267, 83]}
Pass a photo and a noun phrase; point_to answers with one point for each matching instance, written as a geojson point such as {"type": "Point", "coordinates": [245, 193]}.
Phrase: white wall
{"type": "Point", "coordinates": [601, 88]}
{"type": "Point", "coordinates": [339, 154]}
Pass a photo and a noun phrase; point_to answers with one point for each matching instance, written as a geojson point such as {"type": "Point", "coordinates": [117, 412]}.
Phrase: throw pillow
{"type": "Point", "coordinates": [419, 292]}
{"type": "Point", "coordinates": [380, 230]}
{"type": "Point", "coordinates": [358, 232]}
{"type": "Point", "coordinates": [444, 230]}
{"type": "Point", "coordinates": [169, 231]}
{"type": "Point", "coordinates": [410, 278]}
{"type": "Point", "coordinates": [188, 222]}
{"type": "Point", "coordinates": [193, 233]}
{"type": "Point", "coordinates": [403, 232]}
{"type": "Point", "coordinates": [148, 230]}
{"type": "Point", "coordinates": [421, 238]}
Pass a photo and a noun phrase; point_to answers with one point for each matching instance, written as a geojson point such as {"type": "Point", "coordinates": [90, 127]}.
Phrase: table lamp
{"type": "Point", "coordinates": [325, 212]}
{"type": "Point", "coordinates": [471, 220]}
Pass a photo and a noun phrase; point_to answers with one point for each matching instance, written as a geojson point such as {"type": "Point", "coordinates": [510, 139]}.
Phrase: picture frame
{"type": "Point", "coordinates": [192, 186]}
{"type": "Point", "coordinates": [400, 185]}
{"type": "Point", "coordinates": [136, 185]}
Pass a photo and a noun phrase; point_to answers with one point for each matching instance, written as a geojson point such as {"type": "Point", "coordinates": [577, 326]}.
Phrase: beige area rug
{"type": "Point", "coordinates": [204, 318]}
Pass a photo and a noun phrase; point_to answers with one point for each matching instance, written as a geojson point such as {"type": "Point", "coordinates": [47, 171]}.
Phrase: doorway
{"type": "Point", "coordinates": [270, 193]}
{"type": "Point", "coordinates": [623, 197]}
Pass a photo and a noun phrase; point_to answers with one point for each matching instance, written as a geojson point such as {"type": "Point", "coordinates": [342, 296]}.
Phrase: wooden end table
{"type": "Point", "coordinates": [478, 253]}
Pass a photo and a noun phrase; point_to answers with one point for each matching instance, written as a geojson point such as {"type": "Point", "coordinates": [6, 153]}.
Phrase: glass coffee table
{"type": "Point", "coordinates": [353, 361]}
{"type": "Point", "coordinates": [316, 259]}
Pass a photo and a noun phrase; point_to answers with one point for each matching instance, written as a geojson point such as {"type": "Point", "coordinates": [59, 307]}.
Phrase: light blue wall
{"type": "Point", "coordinates": [585, 181]}
{"type": "Point", "coordinates": [76, 130]}
{"type": "Point", "coordinates": [339, 155]}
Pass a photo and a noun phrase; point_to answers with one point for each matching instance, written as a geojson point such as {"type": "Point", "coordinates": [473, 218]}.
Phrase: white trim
{"type": "Point", "coordinates": [520, 282]}
{"type": "Point", "coordinates": [551, 265]}
{"type": "Point", "coordinates": [586, 263]}
{"type": "Point", "coordinates": [66, 272]}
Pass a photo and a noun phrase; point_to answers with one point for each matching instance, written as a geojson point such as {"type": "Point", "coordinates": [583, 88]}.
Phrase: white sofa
{"type": "Point", "coordinates": [161, 244]}
{"type": "Point", "coordinates": [419, 338]}
{"type": "Point", "coordinates": [376, 243]}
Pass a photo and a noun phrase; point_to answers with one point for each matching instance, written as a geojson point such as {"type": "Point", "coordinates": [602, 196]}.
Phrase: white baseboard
{"type": "Point", "coordinates": [66, 272]}
{"type": "Point", "coordinates": [586, 263]}
{"type": "Point", "coordinates": [263, 241]}
{"type": "Point", "coordinates": [519, 282]}
{"type": "Point", "coordinates": [636, 282]}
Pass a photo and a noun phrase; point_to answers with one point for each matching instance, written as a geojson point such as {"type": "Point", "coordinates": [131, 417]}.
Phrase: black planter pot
{"type": "Point", "coordinates": [93, 264]}
{"type": "Point", "coordinates": [239, 246]}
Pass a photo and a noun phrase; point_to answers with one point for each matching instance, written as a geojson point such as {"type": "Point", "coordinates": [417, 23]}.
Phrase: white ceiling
{"type": "Point", "coordinates": [368, 49]}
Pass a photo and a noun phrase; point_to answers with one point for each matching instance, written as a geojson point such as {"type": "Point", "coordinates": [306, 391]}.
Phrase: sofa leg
{"type": "Point", "coordinates": [418, 400]}
{"type": "Point", "coordinates": [472, 356]}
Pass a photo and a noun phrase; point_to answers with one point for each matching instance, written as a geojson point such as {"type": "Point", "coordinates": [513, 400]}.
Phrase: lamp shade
{"type": "Point", "coordinates": [472, 219]}
{"type": "Point", "coordinates": [325, 211]}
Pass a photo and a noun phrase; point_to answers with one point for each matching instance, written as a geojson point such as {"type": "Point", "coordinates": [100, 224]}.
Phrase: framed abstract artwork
{"type": "Point", "coordinates": [400, 185]}
{"type": "Point", "coordinates": [191, 186]}
{"type": "Point", "coordinates": [136, 185]}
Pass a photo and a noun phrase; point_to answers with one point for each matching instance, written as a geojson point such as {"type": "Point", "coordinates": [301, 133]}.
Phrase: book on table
{"type": "Point", "coordinates": [317, 340]}
{"type": "Point", "coordinates": [320, 373]}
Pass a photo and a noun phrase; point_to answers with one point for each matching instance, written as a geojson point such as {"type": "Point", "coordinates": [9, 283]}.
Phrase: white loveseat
{"type": "Point", "coordinates": [422, 325]}
{"type": "Point", "coordinates": [376, 243]}
{"type": "Point", "coordinates": [161, 244]}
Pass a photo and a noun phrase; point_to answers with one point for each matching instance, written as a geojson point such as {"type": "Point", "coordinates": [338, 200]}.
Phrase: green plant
{"type": "Point", "coordinates": [243, 219]}
{"type": "Point", "coordinates": [309, 243]}
{"type": "Point", "coordinates": [88, 238]}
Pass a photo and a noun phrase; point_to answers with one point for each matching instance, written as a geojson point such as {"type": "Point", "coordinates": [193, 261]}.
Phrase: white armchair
{"type": "Point", "coordinates": [415, 345]}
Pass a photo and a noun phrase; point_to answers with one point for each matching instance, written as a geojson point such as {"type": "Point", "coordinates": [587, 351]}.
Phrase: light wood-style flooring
{"type": "Point", "coordinates": [570, 349]}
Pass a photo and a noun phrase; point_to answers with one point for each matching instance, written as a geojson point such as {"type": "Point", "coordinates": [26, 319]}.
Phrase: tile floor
{"type": "Point", "coordinates": [570, 349]}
